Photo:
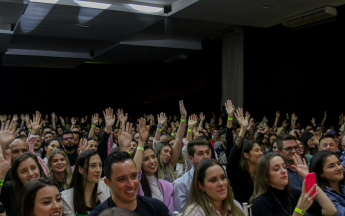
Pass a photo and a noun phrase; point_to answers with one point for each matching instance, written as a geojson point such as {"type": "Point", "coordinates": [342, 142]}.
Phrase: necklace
{"type": "Point", "coordinates": [282, 206]}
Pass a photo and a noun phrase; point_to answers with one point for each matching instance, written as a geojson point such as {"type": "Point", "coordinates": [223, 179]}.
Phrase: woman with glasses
{"type": "Point", "coordinates": [272, 191]}
{"type": "Point", "coordinates": [330, 177]}
{"type": "Point", "coordinates": [242, 162]}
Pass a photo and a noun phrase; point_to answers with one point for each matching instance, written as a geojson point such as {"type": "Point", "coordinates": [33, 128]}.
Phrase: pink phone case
{"type": "Point", "coordinates": [310, 180]}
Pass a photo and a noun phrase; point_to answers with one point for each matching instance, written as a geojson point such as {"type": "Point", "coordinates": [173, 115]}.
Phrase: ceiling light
{"type": "Point", "coordinates": [90, 4]}
{"type": "Point", "coordinates": [45, 1]}
{"type": "Point", "coordinates": [146, 9]}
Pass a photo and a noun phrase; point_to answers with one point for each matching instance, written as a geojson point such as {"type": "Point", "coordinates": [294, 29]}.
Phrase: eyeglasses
{"type": "Point", "coordinates": [289, 149]}
{"type": "Point", "coordinates": [68, 138]}
{"type": "Point", "coordinates": [330, 145]}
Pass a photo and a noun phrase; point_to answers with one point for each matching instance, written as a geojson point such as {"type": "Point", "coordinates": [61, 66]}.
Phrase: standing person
{"type": "Point", "coordinates": [272, 195]}
{"type": "Point", "coordinates": [41, 197]}
{"type": "Point", "coordinates": [87, 188]}
{"type": "Point", "coordinates": [60, 169]}
{"type": "Point", "coordinates": [242, 162]}
{"type": "Point", "coordinates": [211, 192]}
{"type": "Point", "coordinates": [24, 168]}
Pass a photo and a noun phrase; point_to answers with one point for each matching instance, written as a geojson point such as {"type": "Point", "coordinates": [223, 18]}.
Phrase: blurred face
{"type": "Point", "coordinates": [275, 147]}
{"type": "Point", "coordinates": [163, 138]}
{"type": "Point", "coordinates": [166, 154]}
{"type": "Point", "coordinates": [169, 130]}
{"type": "Point", "coordinates": [45, 130]}
{"type": "Point", "coordinates": [76, 138]}
{"type": "Point", "coordinates": [215, 133]}
{"type": "Point", "coordinates": [150, 141]}
{"type": "Point", "coordinates": [68, 141]}
{"type": "Point", "coordinates": [215, 184]}
{"type": "Point", "coordinates": [201, 152]}
{"type": "Point", "coordinates": [58, 163]}
{"type": "Point", "coordinates": [116, 133]}
{"type": "Point", "coordinates": [68, 127]}
{"type": "Point", "coordinates": [251, 131]}
{"type": "Point", "coordinates": [28, 170]}
{"type": "Point", "coordinates": [124, 182]}
{"type": "Point", "coordinates": [328, 144]}
{"type": "Point", "coordinates": [93, 145]}
{"type": "Point", "coordinates": [237, 132]}
{"type": "Point", "coordinates": [301, 147]}
{"type": "Point", "coordinates": [311, 143]}
{"type": "Point", "coordinates": [136, 137]}
{"type": "Point", "coordinates": [172, 142]}
{"type": "Point", "coordinates": [76, 129]}
{"type": "Point", "coordinates": [254, 154]}
{"type": "Point", "coordinates": [18, 147]}
{"type": "Point", "coordinates": [337, 140]}
{"type": "Point", "coordinates": [149, 162]}
{"type": "Point", "coordinates": [277, 173]}
{"type": "Point", "coordinates": [52, 145]}
{"type": "Point", "coordinates": [286, 153]}
{"type": "Point", "coordinates": [272, 139]}
{"type": "Point", "coordinates": [55, 135]}
{"type": "Point", "coordinates": [333, 171]}
{"type": "Point", "coordinates": [38, 144]}
{"type": "Point", "coordinates": [60, 131]}
{"type": "Point", "coordinates": [95, 170]}
{"type": "Point", "coordinates": [48, 201]}
{"type": "Point", "coordinates": [132, 147]}
{"type": "Point", "coordinates": [47, 137]}
{"type": "Point", "coordinates": [97, 131]}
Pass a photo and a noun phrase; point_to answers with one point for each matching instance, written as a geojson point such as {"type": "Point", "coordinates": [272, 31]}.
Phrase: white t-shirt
{"type": "Point", "coordinates": [156, 192]}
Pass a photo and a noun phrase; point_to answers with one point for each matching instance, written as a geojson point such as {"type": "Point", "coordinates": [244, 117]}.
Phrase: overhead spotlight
{"type": "Point", "coordinates": [90, 4]}
{"type": "Point", "coordinates": [45, 1]}
{"type": "Point", "coordinates": [146, 9]}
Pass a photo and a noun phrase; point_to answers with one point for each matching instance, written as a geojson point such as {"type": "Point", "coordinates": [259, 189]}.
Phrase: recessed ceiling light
{"type": "Point", "coordinates": [90, 4]}
{"type": "Point", "coordinates": [266, 6]}
{"type": "Point", "coordinates": [45, 1]}
{"type": "Point", "coordinates": [146, 9]}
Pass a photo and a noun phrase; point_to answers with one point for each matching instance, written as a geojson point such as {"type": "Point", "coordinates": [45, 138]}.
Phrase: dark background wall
{"type": "Point", "coordinates": [297, 71]}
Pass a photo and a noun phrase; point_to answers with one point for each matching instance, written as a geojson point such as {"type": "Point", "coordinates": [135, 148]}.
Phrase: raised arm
{"type": "Point", "coordinates": [162, 119]}
{"type": "Point", "coordinates": [324, 119]}
{"type": "Point", "coordinates": [192, 121]}
{"type": "Point", "coordinates": [179, 135]}
{"type": "Point", "coordinates": [143, 135]}
{"type": "Point", "coordinates": [14, 123]}
{"type": "Point", "coordinates": [93, 126]}
{"type": "Point", "coordinates": [109, 119]}
{"type": "Point", "coordinates": [36, 126]}
{"type": "Point", "coordinates": [53, 120]}
{"type": "Point", "coordinates": [5, 163]}
{"type": "Point", "coordinates": [277, 119]}
{"type": "Point", "coordinates": [6, 135]}
{"type": "Point", "coordinates": [125, 137]}
{"type": "Point", "coordinates": [122, 118]}
{"type": "Point", "coordinates": [230, 109]}
{"type": "Point", "coordinates": [202, 119]}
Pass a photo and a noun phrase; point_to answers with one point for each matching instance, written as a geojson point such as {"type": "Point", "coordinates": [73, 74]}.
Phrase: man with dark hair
{"type": "Point", "coordinates": [198, 150]}
{"type": "Point", "coordinates": [116, 211]}
{"type": "Point", "coordinates": [48, 135]}
{"type": "Point", "coordinates": [76, 136]}
{"type": "Point", "coordinates": [70, 147]}
{"type": "Point", "coordinates": [122, 178]}
{"type": "Point", "coordinates": [215, 131]}
{"type": "Point", "coordinates": [327, 143]}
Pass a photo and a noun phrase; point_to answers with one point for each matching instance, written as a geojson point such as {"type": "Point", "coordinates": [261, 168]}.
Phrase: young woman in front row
{"type": "Point", "coordinates": [330, 177]}
{"type": "Point", "coordinates": [88, 188]}
{"type": "Point", "coordinates": [211, 192]}
{"type": "Point", "coordinates": [272, 192]}
{"type": "Point", "coordinates": [41, 197]}
{"type": "Point", "coordinates": [147, 165]}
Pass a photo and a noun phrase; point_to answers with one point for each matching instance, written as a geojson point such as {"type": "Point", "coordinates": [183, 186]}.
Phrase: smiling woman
{"type": "Point", "coordinates": [60, 169]}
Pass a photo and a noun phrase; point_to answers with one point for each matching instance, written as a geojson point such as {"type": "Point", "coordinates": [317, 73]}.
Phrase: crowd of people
{"type": "Point", "coordinates": [169, 165]}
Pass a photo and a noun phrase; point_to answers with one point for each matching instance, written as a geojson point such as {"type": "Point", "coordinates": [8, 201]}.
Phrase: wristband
{"type": "Point", "coordinates": [2, 182]}
{"type": "Point", "coordinates": [299, 211]}
{"type": "Point", "coordinates": [129, 153]}
{"type": "Point", "coordinates": [138, 148]}
{"type": "Point", "coordinates": [56, 120]}
{"type": "Point", "coordinates": [160, 130]}
{"type": "Point", "coordinates": [190, 130]}
{"type": "Point", "coordinates": [27, 121]}
{"type": "Point", "coordinates": [248, 117]}
{"type": "Point", "coordinates": [282, 128]}
{"type": "Point", "coordinates": [71, 128]}
{"type": "Point", "coordinates": [163, 127]}
{"type": "Point", "coordinates": [209, 131]}
{"type": "Point", "coordinates": [159, 126]}
{"type": "Point", "coordinates": [150, 121]}
{"type": "Point", "coordinates": [324, 118]}
{"type": "Point", "coordinates": [172, 134]}
{"type": "Point", "coordinates": [22, 121]}
{"type": "Point", "coordinates": [287, 118]}
{"type": "Point", "coordinates": [118, 121]}
{"type": "Point", "coordinates": [277, 118]}
{"type": "Point", "coordinates": [63, 124]}
{"type": "Point", "coordinates": [29, 130]}
{"type": "Point", "coordinates": [230, 118]}
{"type": "Point", "coordinates": [183, 120]}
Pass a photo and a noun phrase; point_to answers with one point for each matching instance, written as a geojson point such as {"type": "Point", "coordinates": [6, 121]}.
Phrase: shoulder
{"type": "Point", "coordinates": [261, 201]}
{"type": "Point", "coordinates": [238, 204]}
{"type": "Point", "coordinates": [194, 209]}
{"type": "Point", "coordinates": [182, 179]}
{"type": "Point", "coordinates": [101, 207]}
{"type": "Point", "coordinates": [155, 203]}
{"type": "Point", "coordinates": [67, 195]}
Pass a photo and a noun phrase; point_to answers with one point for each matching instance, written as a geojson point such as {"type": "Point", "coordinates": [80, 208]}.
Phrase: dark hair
{"type": "Point", "coordinates": [67, 132]}
{"type": "Point", "coordinates": [326, 136]}
{"type": "Point", "coordinates": [199, 141]}
{"type": "Point", "coordinates": [247, 146]}
{"type": "Point", "coordinates": [83, 161]}
{"type": "Point", "coordinates": [17, 184]}
{"type": "Point", "coordinates": [316, 165]}
{"type": "Point", "coordinates": [117, 211]}
{"type": "Point", "coordinates": [46, 144]}
{"type": "Point", "coordinates": [282, 138]}
{"type": "Point", "coordinates": [114, 158]}
{"type": "Point", "coordinates": [25, 131]}
{"type": "Point", "coordinates": [77, 132]}
{"type": "Point", "coordinates": [48, 132]}
{"type": "Point", "coordinates": [144, 182]}
{"type": "Point", "coordinates": [21, 137]}
{"type": "Point", "coordinates": [305, 138]}
{"type": "Point", "coordinates": [29, 194]}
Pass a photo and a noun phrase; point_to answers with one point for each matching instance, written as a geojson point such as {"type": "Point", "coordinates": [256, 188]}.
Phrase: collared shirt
{"type": "Point", "coordinates": [196, 210]}
{"type": "Point", "coordinates": [181, 190]}
{"type": "Point", "coordinates": [337, 198]}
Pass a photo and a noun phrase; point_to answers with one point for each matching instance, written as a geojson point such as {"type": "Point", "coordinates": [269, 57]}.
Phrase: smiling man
{"type": "Point", "coordinates": [122, 179]}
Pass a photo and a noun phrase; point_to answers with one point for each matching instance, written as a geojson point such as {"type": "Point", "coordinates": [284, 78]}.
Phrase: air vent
{"type": "Point", "coordinates": [311, 17]}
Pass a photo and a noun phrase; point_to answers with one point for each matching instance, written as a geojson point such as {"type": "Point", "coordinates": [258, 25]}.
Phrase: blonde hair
{"type": "Point", "coordinates": [198, 198]}
{"type": "Point", "coordinates": [167, 168]}
{"type": "Point", "coordinates": [68, 170]}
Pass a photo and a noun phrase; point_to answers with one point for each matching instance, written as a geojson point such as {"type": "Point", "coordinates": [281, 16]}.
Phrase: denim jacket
{"type": "Point", "coordinates": [337, 198]}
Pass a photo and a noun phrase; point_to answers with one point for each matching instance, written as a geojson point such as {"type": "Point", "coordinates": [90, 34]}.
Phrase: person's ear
{"type": "Point", "coordinates": [201, 187]}
{"type": "Point", "coordinates": [107, 182]}
{"type": "Point", "coordinates": [246, 155]}
{"type": "Point", "coordinates": [191, 159]}
{"type": "Point", "coordinates": [81, 170]}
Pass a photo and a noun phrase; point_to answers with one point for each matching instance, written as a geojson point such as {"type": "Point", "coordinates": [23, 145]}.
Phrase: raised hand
{"type": "Point", "coordinates": [162, 119]}
{"type": "Point", "coordinates": [247, 115]}
{"type": "Point", "coordinates": [183, 110]}
{"type": "Point", "coordinates": [109, 117]}
{"type": "Point", "coordinates": [5, 163]}
{"type": "Point", "coordinates": [53, 115]}
{"type": "Point", "coordinates": [293, 115]}
{"type": "Point", "coordinates": [83, 146]}
{"type": "Point", "coordinates": [27, 117]}
{"type": "Point", "coordinates": [15, 118]}
{"type": "Point", "coordinates": [325, 115]}
{"type": "Point", "coordinates": [175, 117]}
{"type": "Point", "coordinates": [202, 116]}
{"type": "Point", "coordinates": [62, 120]}
{"type": "Point", "coordinates": [240, 118]}
{"type": "Point", "coordinates": [300, 166]}
{"type": "Point", "coordinates": [287, 115]}
{"type": "Point", "coordinates": [143, 130]}
{"type": "Point", "coordinates": [230, 109]}
{"type": "Point", "coordinates": [277, 114]}
{"type": "Point", "coordinates": [192, 121]}
{"type": "Point", "coordinates": [125, 137]}
{"type": "Point", "coordinates": [312, 120]}
{"type": "Point", "coordinates": [177, 123]}
{"type": "Point", "coordinates": [121, 117]}
{"type": "Point", "coordinates": [252, 123]}
{"type": "Point", "coordinates": [220, 120]}
{"type": "Point", "coordinates": [82, 120]}
{"type": "Point", "coordinates": [47, 116]}
{"type": "Point", "coordinates": [306, 200]}
{"type": "Point", "coordinates": [85, 118]}
{"type": "Point", "coordinates": [95, 119]}
{"type": "Point", "coordinates": [100, 120]}
{"type": "Point", "coordinates": [6, 134]}
{"type": "Point", "coordinates": [35, 123]}
{"type": "Point", "coordinates": [73, 121]}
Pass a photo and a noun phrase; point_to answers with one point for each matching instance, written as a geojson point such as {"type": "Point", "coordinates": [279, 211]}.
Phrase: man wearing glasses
{"type": "Point", "coordinates": [70, 147]}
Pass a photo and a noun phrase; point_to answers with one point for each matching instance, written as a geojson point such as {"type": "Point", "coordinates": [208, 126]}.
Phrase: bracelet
{"type": "Point", "coordinates": [324, 118]}
{"type": "Point", "coordinates": [190, 130]}
{"type": "Point", "coordinates": [172, 134]}
{"type": "Point", "coordinates": [71, 128]}
{"type": "Point", "coordinates": [160, 130]}
{"type": "Point", "coordinates": [138, 148]}
{"type": "Point", "coordinates": [287, 118]}
{"type": "Point", "coordinates": [277, 118]}
{"type": "Point", "coordinates": [299, 211]}
{"type": "Point", "coordinates": [56, 120]}
{"type": "Point", "coordinates": [159, 126]}
{"type": "Point", "coordinates": [183, 120]}
{"type": "Point", "coordinates": [30, 130]}
{"type": "Point", "coordinates": [209, 131]}
{"type": "Point", "coordinates": [63, 124]}
{"type": "Point", "coordinates": [27, 121]}
{"type": "Point", "coordinates": [2, 182]}
{"type": "Point", "coordinates": [129, 153]}
{"type": "Point", "coordinates": [230, 118]}
{"type": "Point", "coordinates": [163, 127]}
{"type": "Point", "coordinates": [22, 121]}
{"type": "Point", "coordinates": [282, 128]}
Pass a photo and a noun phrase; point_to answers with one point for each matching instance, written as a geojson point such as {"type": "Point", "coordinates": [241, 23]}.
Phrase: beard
{"type": "Point", "coordinates": [69, 147]}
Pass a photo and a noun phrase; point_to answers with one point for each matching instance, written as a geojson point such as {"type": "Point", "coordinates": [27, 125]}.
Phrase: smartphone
{"type": "Point", "coordinates": [310, 180]}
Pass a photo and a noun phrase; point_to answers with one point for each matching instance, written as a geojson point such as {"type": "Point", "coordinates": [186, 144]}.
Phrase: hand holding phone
{"type": "Point", "coordinates": [310, 181]}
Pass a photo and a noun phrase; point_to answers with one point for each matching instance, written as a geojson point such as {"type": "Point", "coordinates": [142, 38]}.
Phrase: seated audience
{"type": "Point", "coordinates": [60, 169]}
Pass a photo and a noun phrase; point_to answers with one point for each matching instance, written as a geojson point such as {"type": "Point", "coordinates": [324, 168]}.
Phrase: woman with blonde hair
{"type": "Point", "coordinates": [60, 169]}
{"type": "Point", "coordinates": [210, 192]}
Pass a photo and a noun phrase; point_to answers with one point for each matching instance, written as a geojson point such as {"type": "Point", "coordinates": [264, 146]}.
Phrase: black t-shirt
{"type": "Point", "coordinates": [72, 157]}
{"type": "Point", "coordinates": [146, 206]}
{"type": "Point", "coordinates": [8, 198]}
